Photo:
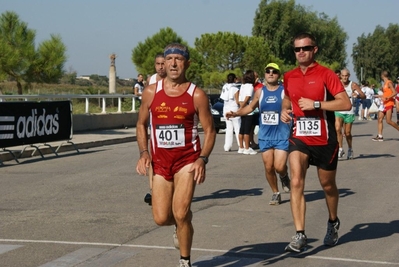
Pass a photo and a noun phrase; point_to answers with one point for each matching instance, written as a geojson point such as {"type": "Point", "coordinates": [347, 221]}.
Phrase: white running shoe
{"type": "Point", "coordinates": [240, 150]}
{"type": "Point", "coordinates": [249, 151]}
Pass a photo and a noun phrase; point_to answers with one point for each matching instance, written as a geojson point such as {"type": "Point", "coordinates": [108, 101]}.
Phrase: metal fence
{"type": "Point", "coordinates": [87, 98]}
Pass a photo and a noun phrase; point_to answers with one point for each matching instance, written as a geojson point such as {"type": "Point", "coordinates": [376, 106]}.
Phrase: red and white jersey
{"type": "Point", "coordinates": [174, 126]}
{"type": "Point", "coordinates": [313, 127]}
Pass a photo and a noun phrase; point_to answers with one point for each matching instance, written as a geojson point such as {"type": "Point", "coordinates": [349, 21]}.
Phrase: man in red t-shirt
{"type": "Point", "coordinates": [312, 94]}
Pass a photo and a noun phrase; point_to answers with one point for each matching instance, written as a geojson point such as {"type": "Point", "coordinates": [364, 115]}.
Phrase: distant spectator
{"type": "Point", "coordinates": [366, 103]}
{"type": "Point", "coordinates": [139, 86]}
{"type": "Point", "coordinates": [245, 97]}
{"type": "Point", "coordinates": [230, 97]}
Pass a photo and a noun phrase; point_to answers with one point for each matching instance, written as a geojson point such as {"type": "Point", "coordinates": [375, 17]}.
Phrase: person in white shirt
{"type": "Point", "coordinates": [245, 97]}
{"type": "Point", "coordinates": [366, 103]}
{"type": "Point", "coordinates": [139, 86]}
{"type": "Point", "coordinates": [229, 95]}
{"type": "Point", "coordinates": [345, 119]}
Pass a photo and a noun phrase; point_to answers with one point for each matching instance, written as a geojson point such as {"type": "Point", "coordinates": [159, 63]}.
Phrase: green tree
{"type": "Point", "coordinates": [221, 51]}
{"type": "Point", "coordinates": [226, 52]}
{"type": "Point", "coordinates": [278, 21]}
{"type": "Point", "coordinates": [19, 58]}
{"type": "Point", "coordinates": [376, 52]}
{"type": "Point", "coordinates": [257, 54]}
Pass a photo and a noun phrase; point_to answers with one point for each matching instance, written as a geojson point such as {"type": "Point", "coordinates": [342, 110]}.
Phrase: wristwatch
{"type": "Point", "coordinates": [316, 105]}
{"type": "Point", "coordinates": [205, 159]}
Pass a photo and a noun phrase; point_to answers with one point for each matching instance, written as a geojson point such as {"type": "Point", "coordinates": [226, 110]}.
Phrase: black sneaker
{"type": "Point", "coordinates": [148, 199]}
{"type": "Point", "coordinates": [377, 138]}
{"type": "Point", "coordinates": [299, 243]}
{"type": "Point", "coordinates": [276, 199]}
{"type": "Point", "coordinates": [286, 183]}
{"type": "Point", "coordinates": [331, 237]}
{"type": "Point", "coordinates": [341, 154]}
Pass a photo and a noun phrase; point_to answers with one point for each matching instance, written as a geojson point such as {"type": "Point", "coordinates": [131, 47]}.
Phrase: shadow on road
{"type": "Point", "coordinates": [365, 231]}
{"type": "Point", "coordinates": [319, 194]}
{"type": "Point", "coordinates": [233, 193]}
{"type": "Point", "coordinates": [269, 253]}
{"type": "Point", "coordinates": [230, 193]}
{"type": "Point", "coordinates": [364, 156]}
{"type": "Point", "coordinates": [265, 253]}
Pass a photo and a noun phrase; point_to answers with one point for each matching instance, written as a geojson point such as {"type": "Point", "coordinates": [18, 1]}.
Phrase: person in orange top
{"type": "Point", "coordinates": [388, 99]}
{"type": "Point", "coordinates": [397, 101]}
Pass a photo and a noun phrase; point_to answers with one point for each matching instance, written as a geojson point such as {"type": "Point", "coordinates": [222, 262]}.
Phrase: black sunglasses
{"type": "Point", "coordinates": [268, 71]}
{"type": "Point", "coordinates": [304, 48]}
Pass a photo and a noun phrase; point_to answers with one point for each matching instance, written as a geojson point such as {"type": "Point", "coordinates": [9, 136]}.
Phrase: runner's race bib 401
{"type": "Point", "coordinates": [170, 136]}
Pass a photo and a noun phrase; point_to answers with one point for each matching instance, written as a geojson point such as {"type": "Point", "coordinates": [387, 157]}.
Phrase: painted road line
{"type": "Point", "coordinates": [258, 254]}
{"type": "Point", "coordinates": [76, 257]}
{"type": "Point", "coordinates": [7, 248]}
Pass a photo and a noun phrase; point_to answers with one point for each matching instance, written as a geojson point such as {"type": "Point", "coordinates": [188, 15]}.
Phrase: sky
{"type": "Point", "coordinates": [94, 29]}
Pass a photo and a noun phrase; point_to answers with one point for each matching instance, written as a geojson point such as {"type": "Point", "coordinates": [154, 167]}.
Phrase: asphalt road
{"type": "Point", "coordinates": [87, 210]}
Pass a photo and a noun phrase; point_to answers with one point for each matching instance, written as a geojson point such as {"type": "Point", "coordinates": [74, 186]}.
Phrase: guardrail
{"type": "Point", "coordinates": [103, 98]}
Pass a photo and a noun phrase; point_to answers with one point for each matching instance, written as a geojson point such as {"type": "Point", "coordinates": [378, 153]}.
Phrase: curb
{"type": "Point", "coordinates": [30, 151]}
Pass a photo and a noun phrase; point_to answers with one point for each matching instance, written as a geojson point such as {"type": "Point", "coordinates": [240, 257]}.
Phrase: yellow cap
{"type": "Point", "coordinates": [273, 66]}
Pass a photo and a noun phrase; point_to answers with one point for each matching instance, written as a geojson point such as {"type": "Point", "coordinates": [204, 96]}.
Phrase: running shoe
{"type": "Point", "coordinates": [148, 199]}
{"type": "Point", "coordinates": [255, 146]}
{"type": "Point", "coordinates": [175, 240]}
{"type": "Point", "coordinates": [286, 183]}
{"type": "Point", "coordinates": [350, 154]}
{"type": "Point", "coordinates": [240, 150]}
{"type": "Point", "coordinates": [341, 154]}
{"type": "Point", "coordinates": [299, 243]}
{"type": "Point", "coordinates": [249, 151]}
{"type": "Point", "coordinates": [184, 263]}
{"type": "Point", "coordinates": [377, 138]}
{"type": "Point", "coordinates": [331, 237]}
{"type": "Point", "coordinates": [276, 199]}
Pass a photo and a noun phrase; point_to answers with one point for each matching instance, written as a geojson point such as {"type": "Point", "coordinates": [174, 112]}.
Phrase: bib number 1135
{"type": "Point", "coordinates": [306, 126]}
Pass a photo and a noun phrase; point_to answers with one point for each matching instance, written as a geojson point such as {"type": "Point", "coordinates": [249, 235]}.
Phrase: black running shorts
{"type": "Point", "coordinates": [325, 157]}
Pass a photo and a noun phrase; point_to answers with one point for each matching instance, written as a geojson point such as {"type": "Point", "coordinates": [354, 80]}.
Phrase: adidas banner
{"type": "Point", "coordinates": [23, 123]}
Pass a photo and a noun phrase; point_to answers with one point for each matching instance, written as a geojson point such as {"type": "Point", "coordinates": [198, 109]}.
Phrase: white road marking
{"type": "Point", "coordinates": [195, 249]}
{"type": "Point", "coordinates": [75, 257]}
{"type": "Point", "coordinates": [7, 248]}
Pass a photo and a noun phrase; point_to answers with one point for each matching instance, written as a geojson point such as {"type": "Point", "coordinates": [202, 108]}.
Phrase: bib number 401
{"type": "Point", "coordinates": [169, 136]}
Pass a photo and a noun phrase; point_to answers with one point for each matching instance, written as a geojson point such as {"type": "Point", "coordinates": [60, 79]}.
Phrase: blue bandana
{"type": "Point", "coordinates": [175, 50]}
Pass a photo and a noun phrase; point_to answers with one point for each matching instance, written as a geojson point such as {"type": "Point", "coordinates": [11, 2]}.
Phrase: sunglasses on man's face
{"type": "Point", "coordinates": [272, 71]}
{"type": "Point", "coordinates": [304, 48]}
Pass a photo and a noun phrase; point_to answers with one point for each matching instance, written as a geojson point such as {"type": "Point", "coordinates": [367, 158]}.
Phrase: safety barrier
{"type": "Point", "coordinates": [101, 97]}
{"type": "Point", "coordinates": [28, 123]}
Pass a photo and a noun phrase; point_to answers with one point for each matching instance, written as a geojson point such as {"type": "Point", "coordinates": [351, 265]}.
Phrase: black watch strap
{"type": "Point", "coordinates": [205, 159]}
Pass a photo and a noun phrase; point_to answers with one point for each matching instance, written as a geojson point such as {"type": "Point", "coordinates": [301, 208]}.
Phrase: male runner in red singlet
{"type": "Point", "coordinates": [175, 106]}
{"type": "Point", "coordinates": [312, 94]}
